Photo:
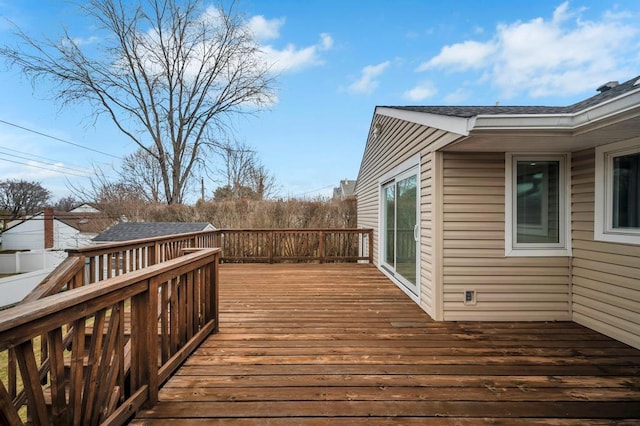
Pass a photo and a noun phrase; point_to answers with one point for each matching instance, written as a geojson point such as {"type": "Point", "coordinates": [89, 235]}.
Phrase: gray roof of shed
{"type": "Point", "coordinates": [472, 111]}
{"type": "Point", "coordinates": [137, 230]}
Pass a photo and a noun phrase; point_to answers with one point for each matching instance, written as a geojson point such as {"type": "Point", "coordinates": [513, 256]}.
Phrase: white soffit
{"type": "Point", "coordinates": [447, 123]}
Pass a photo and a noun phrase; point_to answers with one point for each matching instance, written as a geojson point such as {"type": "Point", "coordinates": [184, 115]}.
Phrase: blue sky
{"type": "Point", "coordinates": [337, 60]}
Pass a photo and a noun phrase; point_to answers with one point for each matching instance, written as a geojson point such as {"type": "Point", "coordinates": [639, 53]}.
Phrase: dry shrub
{"type": "Point", "coordinates": [247, 214]}
{"type": "Point", "coordinates": [278, 214]}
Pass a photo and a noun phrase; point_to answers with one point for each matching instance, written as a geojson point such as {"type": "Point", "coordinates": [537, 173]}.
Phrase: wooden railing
{"type": "Point", "coordinates": [238, 245]}
{"type": "Point", "coordinates": [109, 260]}
{"type": "Point", "coordinates": [74, 348]}
{"type": "Point", "coordinates": [81, 353]}
{"type": "Point", "coordinates": [295, 245]}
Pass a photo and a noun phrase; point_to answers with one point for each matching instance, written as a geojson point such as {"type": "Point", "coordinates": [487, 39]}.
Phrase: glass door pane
{"type": "Point", "coordinates": [406, 221]}
{"type": "Point", "coordinates": [399, 242]}
{"type": "Point", "coordinates": [389, 217]}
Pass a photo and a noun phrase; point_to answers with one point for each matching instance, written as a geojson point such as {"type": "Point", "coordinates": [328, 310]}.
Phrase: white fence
{"type": "Point", "coordinates": [13, 289]}
{"type": "Point", "coordinates": [30, 267]}
{"type": "Point", "coordinates": [29, 261]}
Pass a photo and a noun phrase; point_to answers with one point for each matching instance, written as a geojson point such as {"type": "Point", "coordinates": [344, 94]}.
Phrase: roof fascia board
{"type": "Point", "coordinates": [457, 125]}
{"type": "Point", "coordinates": [566, 122]}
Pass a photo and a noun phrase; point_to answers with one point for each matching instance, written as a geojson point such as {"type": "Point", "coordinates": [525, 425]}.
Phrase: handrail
{"type": "Point", "coordinates": [113, 259]}
{"type": "Point", "coordinates": [295, 245]}
{"type": "Point", "coordinates": [172, 307]}
{"type": "Point", "coordinates": [68, 274]}
{"type": "Point", "coordinates": [239, 245]}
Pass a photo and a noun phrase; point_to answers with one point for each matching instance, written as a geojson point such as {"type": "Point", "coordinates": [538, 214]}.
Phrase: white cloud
{"type": "Point", "coordinates": [85, 41]}
{"type": "Point", "coordinates": [420, 92]}
{"type": "Point", "coordinates": [289, 58]}
{"type": "Point", "coordinates": [368, 80]}
{"type": "Point", "coordinates": [326, 41]}
{"type": "Point", "coordinates": [461, 56]}
{"type": "Point", "coordinates": [563, 55]}
{"type": "Point", "coordinates": [265, 29]}
{"type": "Point", "coordinates": [292, 58]}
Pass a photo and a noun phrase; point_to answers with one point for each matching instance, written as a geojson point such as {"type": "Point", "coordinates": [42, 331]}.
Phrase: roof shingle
{"type": "Point", "coordinates": [137, 230]}
{"type": "Point", "coordinates": [472, 111]}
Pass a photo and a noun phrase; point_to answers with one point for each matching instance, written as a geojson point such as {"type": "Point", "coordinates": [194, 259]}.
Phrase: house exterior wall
{"type": "Point", "coordinates": [473, 254]}
{"type": "Point", "coordinates": [396, 142]}
{"type": "Point", "coordinates": [65, 237]}
{"type": "Point", "coordinates": [29, 235]}
{"type": "Point", "coordinates": [606, 276]}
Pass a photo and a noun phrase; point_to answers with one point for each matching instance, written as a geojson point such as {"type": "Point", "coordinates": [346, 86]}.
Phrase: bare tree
{"type": "Point", "coordinates": [262, 181]}
{"type": "Point", "coordinates": [141, 170]}
{"type": "Point", "coordinates": [168, 73]}
{"type": "Point", "coordinates": [20, 197]}
{"type": "Point", "coordinates": [245, 176]}
{"type": "Point", "coordinates": [117, 197]}
{"type": "Point", "coordinates": [66, 203]}
{"type": "Point", "coordinates": [237, 161]}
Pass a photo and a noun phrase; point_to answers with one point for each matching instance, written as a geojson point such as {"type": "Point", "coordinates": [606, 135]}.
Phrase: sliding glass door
{"type": "Point", "coordinates": [400, 228]}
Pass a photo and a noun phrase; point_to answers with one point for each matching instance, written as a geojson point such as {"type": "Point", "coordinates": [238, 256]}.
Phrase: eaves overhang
{"type": "Point", "coordinates": [458, 125]}
{"type": "Point", "coordinates": [563, 122]}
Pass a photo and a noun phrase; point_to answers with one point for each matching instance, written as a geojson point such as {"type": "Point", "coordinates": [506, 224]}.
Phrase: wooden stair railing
{"type": "Point", "coordinates": [73, 348]}
{"type": "Point", "coordinates": [69, 274]}
{"type": "Point", "coordinates": [109, 260]}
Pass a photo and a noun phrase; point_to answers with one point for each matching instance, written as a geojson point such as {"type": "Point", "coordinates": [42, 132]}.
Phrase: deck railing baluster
{"type": "Point", "coordinates": [294, 245]}
{"type": "Point", "coordinates": [95, 315]}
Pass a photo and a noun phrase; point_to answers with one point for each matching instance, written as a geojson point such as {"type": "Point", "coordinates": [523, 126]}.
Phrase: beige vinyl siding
{"type": "Point", "coordinates": [398, 141]}
{"type": "Point", "coordinates": [606, 276]}
{"type": "Point", "coordinates": [507, 288]}
{"type": "Point", "coordinates": [427, 288]}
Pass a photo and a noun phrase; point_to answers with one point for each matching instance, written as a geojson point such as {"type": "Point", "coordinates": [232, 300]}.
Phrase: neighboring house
{"type": "Point", "coordinates": [85, 208]}
{"type": "Point", "coordinates": [346, 189]}
{"type": "Point", "coordinates": [55, 230]}
{"type": "Point", "coordinates": [511, 213]}
{"type": "Point", "coordinates": [127, 231]}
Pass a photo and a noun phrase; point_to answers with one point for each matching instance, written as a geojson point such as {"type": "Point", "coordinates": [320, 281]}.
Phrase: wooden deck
{"type": "Point", "coordinates": [340, 344]}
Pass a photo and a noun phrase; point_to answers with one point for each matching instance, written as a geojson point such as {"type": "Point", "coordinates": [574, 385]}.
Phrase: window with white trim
{"type": "Point", "coordinates": [617, 215]}
{"type": "Point", "coordinates": [537, 209]}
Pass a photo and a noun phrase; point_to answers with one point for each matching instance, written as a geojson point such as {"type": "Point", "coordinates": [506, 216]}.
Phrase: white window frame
{"type": "Point", "coordinates": [603, 229]}
{"type": "Point", "coordinates": [563, 247]}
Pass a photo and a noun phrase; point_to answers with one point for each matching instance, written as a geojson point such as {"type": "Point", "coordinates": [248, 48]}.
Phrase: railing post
{"type": "Point", "coordinates": [215, 291]}
{"type": "Point", "coordinates": [218, 241]}
{"type": "Point", "coordinates": [144, 342]}
{"type": "Point", "coordinates": [271, 246]}
{"type": "Point", "coordinates": [370, 244]}
{"type": "Point", "coordinates": [321, 245]}
{"type": "Point", "coordinates": [155, 254]}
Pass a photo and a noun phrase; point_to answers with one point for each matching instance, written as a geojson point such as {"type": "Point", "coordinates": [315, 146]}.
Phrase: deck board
{"type": "Point", "coordinates": [340, 344]}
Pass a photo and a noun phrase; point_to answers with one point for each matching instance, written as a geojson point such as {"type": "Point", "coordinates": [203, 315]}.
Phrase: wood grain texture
{"type": "Point", "coordinates": [303, 344]}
